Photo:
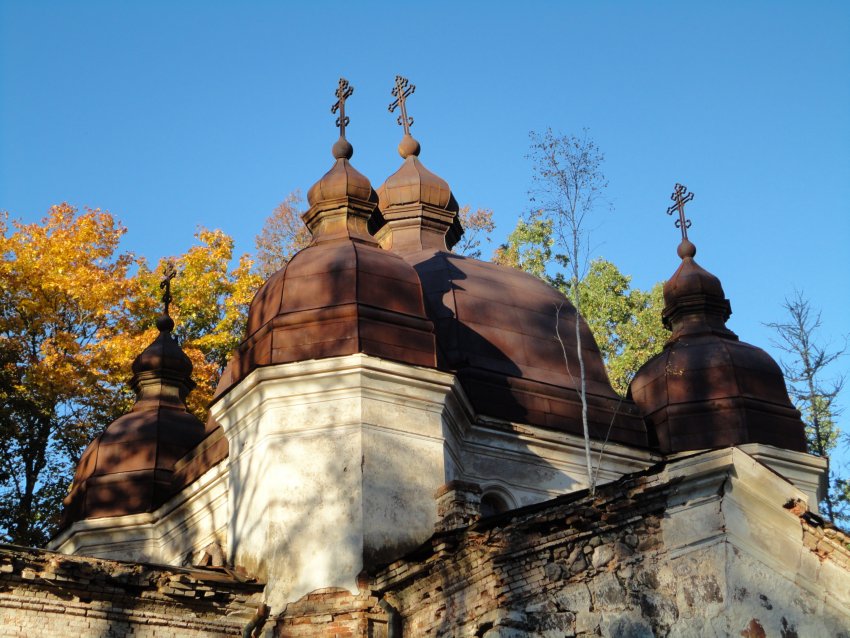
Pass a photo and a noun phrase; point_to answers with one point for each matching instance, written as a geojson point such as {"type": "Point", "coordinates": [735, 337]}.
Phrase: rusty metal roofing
{"type": "Point", "coordinates": [128, 468]}
{"type": "Point", "coordinates": [706, 388]}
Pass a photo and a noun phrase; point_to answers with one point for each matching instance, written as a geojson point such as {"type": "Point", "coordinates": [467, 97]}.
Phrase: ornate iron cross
{"type": "Point", "coordinates": [681, 196]}
{"type": "Point", "coordinates": [169, 272]}
{"type": "Point", "coordinates": [401, 91]}
{"type": "Point", "coordinates": [343, 92]}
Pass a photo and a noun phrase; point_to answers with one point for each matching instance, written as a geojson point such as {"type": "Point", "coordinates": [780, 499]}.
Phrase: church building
{"type": "Point", "coordinates": [396, 448]}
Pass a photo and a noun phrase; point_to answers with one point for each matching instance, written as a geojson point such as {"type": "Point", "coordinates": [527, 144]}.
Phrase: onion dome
{"type": "Point", "coordinates": [340, 295]}
{"type": "Point", "coordinates": [128, 468]}
{"type": "Point", "coordinates": [496, 326]}
{"type": "Point", "coordinates": [343, 181]}
{"type": "Point", "coordinates": [707, 389]}
{"type": "Point", "coordinates": [419, 205]}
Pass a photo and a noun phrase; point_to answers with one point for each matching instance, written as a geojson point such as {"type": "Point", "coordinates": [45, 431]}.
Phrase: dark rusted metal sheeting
{"type": "Point", "coordinates": [707, 389]}
{"type": "Point", "coordinates": [129, 468]}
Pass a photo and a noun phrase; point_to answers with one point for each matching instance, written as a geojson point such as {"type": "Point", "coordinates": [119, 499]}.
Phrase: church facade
{"type": "Point", "coordinates": [396, 449]}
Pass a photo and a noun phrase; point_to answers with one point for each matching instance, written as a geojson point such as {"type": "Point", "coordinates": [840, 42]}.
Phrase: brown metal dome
{"type": "Point", "coordinates": [706, 388]}
{"type": "Point", "coordinates": [413, 183]}
{"type": "Point", "coordinates": [495, 325]}
{"type": "Point", "coordinates": [128, 468]}
{"type": "Point", "coordinates": [341, 295]}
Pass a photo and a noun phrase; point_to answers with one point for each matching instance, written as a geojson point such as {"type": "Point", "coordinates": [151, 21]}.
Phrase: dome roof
{"type": "Point", "coordinates": [343, 181]}
{"type": "Point", "coordinates": [706, 388]}
{"type": "Point", "coordinates": [416, 207]}
{"type": "Point", "coordinates": [128, 468]}
{"type": "Point", "coordinates": [163, 358]}
{"type": "Point", "coordinates": [415, 184]}
{"type": "Point", "coordinates": [495, 326]}
{"type": "Point", "coordinates": [495, 329]}
{"type": "Point", "coordinates": [341, 295]}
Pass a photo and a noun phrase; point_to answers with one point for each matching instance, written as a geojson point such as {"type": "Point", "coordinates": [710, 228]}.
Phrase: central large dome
{"type": "Point", "coordinates": [378, 278]}
{"type": "Point", "coordinates": [496, 326]}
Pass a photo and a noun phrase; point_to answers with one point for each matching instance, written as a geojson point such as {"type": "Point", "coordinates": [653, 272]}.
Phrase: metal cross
{"type": "Point", "coordinates": [343, 92]}
{"type": "Point", "coordinates": [401, 91]}
{"type": "Point", "coordinates": [169, 272]}
{"type": "Point", "coordinates": [681, 196]}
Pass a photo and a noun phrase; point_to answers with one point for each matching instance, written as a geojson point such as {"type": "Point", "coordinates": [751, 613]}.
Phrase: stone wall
{"type": "Point", "coordinates": [655, 554]}
{"type": "Point", "coordinates": [47, 594]}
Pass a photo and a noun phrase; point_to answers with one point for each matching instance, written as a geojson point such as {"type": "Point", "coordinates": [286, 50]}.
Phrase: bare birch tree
{"type": "Point", "coordinates": [568, 187]}
{"type": "Point", "coordinates": [813, 392]}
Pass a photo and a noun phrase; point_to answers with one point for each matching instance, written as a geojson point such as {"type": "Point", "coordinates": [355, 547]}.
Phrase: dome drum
{"type": "Point", "coordinates": [413, 227]}
{"type": "Point", "coordinates": [723, 423]}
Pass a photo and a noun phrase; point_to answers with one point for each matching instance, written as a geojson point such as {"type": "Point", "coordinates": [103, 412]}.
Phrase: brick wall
{"type": "Point", "coordinates": [48, 594]}
{"type": "Point", "coordinates": [333, 613]}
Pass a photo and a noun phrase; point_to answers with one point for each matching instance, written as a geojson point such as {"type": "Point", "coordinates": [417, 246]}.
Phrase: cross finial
{"type": "Point", "coordinates": [169, 272]}
{"type": "Point", "coordinates": [681, 196]}
{"type": "Point", "coordinates": [401, 91]}
{"type": "Point", "coordinates": [343, 92]}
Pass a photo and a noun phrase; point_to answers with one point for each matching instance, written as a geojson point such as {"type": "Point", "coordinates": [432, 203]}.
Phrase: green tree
{"type": "Point", "coordinates": [625, 321]}
{"type": "Point", "coordinates": [529, 246]}
{"type": "Point", "coordinates": [813, 390]}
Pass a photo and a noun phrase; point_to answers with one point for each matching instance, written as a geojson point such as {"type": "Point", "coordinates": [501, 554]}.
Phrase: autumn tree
{"type": "Point", "coordinates": [477, 226]}
{"type": "Point", "coordinates": [72, 320]}
{"type": "Point", "coordinates": [813, 390]}
{"type": "Point", "coordinates": [283, 234]}
{"type": "Point", "coordinates": [63, 292]}
{"type": "Point", "coordinates": [210, 307]}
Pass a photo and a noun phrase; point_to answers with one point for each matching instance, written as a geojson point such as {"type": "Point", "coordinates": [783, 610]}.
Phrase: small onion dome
{"type": "Point", "coordinates": [495, 325]}
{"type": "Point", "coordinates": [128, 468]}
{"type": "Point", "coordinates": [707, 389]}
{"type": "Point", "coordinates": [343, 181]}
{"type": "Point", "coordinates": [340, 295]}
{"type": "Point", "coordinates": [164, 358]}
{"type": "Point", "coordinates": [416, 207]}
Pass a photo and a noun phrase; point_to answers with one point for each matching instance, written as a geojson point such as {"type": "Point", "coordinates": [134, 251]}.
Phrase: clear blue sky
{"type": "Point", "coordinates": [178, 114]}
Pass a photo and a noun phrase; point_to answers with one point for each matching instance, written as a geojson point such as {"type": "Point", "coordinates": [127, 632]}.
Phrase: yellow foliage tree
{"type": "Point", "coordinates": [72, 319]}
{"type": "Point", "coordinates": [63, 292]}
{"type": "Point", "coordinates": [209, 309]}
